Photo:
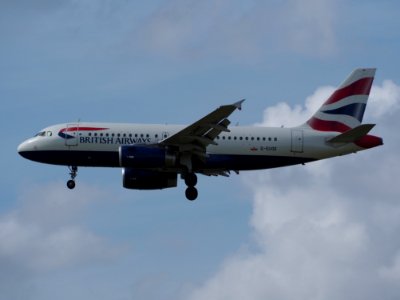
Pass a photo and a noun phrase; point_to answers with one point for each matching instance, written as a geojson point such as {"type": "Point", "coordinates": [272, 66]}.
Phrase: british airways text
{"type": "Point", "coordinates": [111, 140]}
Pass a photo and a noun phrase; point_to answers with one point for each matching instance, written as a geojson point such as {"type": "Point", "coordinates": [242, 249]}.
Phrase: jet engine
{"type": "Point", "coordinates": [145, 157]}
{"type": "Point", "coordinates": [147, 179]}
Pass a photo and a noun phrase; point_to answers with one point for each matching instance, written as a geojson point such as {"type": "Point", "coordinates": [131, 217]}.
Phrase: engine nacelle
{"type": "Point", "coordinates": [145, 157]}
{"type": "Point", "coordinates": [147, 180]}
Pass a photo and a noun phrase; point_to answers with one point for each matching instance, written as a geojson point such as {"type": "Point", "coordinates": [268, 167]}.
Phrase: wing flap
{"type": "Point", "coordinates": [205, 130]}
{"type": "Point", "coordinates": [216, 130]}
{"type": "Point", "coordinates": [193, 140]}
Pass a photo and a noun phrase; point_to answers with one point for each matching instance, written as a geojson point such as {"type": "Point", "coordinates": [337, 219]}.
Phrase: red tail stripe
{"type": "Point", "coordinates": [369, 141]}
{"type": "Point", "coordinates": [322, 125]}
{"type": "Point", "coordinates": [359, 87]}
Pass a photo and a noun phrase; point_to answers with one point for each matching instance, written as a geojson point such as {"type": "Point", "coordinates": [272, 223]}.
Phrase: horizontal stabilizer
{"type": "Point", "coordinates": [352, 135]}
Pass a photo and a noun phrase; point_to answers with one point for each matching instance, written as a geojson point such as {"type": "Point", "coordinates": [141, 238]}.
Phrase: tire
{"type": "Point", "coordinates": [191, 193]}
{"type": "Point", "coordinates": [71, 184]}
{"type": "Point", "coordinates": [191, 179]}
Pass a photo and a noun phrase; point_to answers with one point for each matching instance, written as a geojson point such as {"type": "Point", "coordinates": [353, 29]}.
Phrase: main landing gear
{"type": "Point", "coordinates": [73, 171]}
{"type": "Point", "coordinates": [191, 192]}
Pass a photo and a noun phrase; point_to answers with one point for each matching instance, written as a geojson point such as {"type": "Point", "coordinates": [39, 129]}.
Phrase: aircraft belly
{"type": "Point", "coordinates": [250, 162]}
{"type": "Point", "coordinates": [75, 158]}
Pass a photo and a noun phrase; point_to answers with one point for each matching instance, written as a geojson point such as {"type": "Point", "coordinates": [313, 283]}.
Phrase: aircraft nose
{"type": "Point", "coordinates": [25, 148]}
{"type": "Point", "coordinates": [22, 149]}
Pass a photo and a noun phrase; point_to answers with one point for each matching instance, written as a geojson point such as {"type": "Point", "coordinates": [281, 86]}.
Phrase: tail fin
{"type": "Point", "coordinates": [345, 108]}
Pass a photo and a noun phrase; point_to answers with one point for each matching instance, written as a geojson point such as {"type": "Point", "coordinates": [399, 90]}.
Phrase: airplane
{"type": "Point", "coordinates": [153, 155]}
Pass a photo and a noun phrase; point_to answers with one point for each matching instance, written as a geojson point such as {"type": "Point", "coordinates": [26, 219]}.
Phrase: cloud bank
{"type": "Point", "coordinates": [327, 230]}
{"type": "Point", "coordinates": [44, 234]}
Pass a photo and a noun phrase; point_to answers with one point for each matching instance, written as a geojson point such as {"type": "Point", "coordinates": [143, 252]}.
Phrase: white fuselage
{"type": "Point", "coordinates": [153, 155]}
{"type": "Point", "coordinates": [284, 146]}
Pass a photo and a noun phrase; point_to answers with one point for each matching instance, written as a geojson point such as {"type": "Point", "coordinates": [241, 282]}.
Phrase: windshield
{"type": "Point", "coordinates": [42, 133]}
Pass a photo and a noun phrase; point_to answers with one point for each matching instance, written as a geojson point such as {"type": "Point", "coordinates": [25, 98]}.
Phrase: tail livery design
{"type": "Point", "coordinates": [343, 111]}
{"type": "Point", "coordinates": [345, 108]}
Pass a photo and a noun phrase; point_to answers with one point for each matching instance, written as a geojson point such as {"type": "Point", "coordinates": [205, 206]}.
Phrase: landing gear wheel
{"type": "Point", "coordinates": [191, 193]}
{"type": "Point", "coordinates": [191, 179]}
{"type": "Point", "coordinates": [73, 171]}
{"type": "Point", "coordinates": [70, 184]}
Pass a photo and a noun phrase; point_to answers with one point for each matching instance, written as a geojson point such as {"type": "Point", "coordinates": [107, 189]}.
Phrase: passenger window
{"type": "Point", "coordinates": [275, 139]}
{"type": "Point", "coordinates": [240, 138]}
{"type": "Point", "coordinates": [247, 138]}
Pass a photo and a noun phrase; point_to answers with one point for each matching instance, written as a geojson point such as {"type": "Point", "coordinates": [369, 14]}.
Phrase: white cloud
{"type": "Point", "coordinates": [283, 114]}
{"type": "Point", "coordinates": [327, 230]}
{"type": "Point", "coordinates": [44, 234]}
{"type": "Point", "coordinates": [384, 99]}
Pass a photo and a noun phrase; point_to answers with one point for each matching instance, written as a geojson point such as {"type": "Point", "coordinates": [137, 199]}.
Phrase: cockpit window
{"type": "Point", "coordinates": [42, 133]}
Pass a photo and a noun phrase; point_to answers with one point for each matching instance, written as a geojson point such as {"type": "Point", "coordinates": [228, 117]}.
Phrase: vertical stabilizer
{"type": "Point", "coordinates": [344, 109]}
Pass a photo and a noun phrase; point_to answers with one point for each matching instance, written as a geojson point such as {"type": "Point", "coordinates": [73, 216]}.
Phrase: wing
{"type": "Point", "coordinates": [194, 139]}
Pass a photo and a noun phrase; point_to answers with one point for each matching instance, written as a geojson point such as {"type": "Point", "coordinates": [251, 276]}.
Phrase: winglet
{"type": "Point", "coordinates": [239, 104]}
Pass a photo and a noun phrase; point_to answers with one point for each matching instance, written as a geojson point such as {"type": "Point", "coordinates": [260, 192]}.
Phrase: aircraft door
{"type": "Point", "coordinates": [71, 133]}
{"type": "Point", "coordinates": [297, 140]}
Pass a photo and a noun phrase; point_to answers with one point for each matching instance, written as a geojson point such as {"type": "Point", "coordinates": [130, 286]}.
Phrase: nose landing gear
{"type": "Point", "coordinates": [191, 192]}
{"type": "Point", "coordinates": [73, 172]}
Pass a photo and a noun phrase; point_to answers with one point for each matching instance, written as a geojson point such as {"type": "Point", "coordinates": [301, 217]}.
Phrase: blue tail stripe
{"type": "Point", "coordinates": [355, 110]}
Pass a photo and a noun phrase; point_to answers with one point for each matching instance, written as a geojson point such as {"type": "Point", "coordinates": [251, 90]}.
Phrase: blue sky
{"type": "Point", "coordinates": [301, 232]}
